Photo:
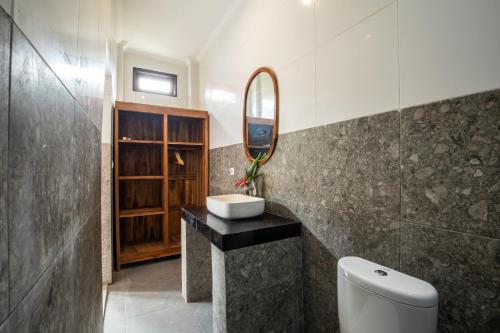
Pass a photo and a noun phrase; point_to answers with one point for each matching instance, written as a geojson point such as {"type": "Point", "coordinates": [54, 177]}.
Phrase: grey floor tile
{"type": "Point", "coordinates": [147, 298]}
{"type": "Point", "coordinates": [177, 320]}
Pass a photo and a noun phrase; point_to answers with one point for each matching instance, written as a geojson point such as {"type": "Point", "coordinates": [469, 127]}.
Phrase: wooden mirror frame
{"type": "Point", "coordinates": [276, 114]}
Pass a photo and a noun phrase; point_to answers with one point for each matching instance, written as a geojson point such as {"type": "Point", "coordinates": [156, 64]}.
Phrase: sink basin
{"type": "Point", "coordinates": [235, 206]}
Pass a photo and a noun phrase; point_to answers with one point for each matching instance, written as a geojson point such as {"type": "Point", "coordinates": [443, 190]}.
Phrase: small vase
{"type": "Point", "coordinates": [251, 189]}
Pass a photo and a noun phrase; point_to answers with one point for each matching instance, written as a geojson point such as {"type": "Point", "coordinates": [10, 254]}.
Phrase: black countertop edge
{"type": "Point", "coordinates": [229, 235]}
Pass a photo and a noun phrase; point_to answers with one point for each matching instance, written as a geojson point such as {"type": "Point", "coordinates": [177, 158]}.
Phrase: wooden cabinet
{"type": "Point", "coordinates": [160, 165]}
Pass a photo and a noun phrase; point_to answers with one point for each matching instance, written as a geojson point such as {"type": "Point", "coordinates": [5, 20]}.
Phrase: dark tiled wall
{"type": "Point", "coordinates": [50, 263]}
{"type": "Point", "coordinates": [416, 190]}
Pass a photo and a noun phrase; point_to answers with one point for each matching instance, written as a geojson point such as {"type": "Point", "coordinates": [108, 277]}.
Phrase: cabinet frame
{"type": "Point", "coordinates": [154, 249]}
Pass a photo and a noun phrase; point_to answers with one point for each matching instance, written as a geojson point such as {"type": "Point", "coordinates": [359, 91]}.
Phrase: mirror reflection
{"type": "Point", "coordinates": [261, 114]}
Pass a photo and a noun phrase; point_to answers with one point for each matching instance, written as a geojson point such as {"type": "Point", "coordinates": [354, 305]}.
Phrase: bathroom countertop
{"type": "Point", "coordinates": [235, 234]}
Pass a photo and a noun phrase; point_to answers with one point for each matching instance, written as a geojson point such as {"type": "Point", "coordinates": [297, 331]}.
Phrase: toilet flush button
{"type": "Point", "coordinates": [380, 272]}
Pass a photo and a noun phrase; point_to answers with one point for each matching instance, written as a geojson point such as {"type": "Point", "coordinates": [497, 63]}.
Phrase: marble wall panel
{"type": "Point", "coordinates": [86, 140]}
{"type": "Point", "coordinates": [54, 33]}
{"type": "Point", "coordinates": [82, 269]}
{"type": "Point", "coordinates": [40, 166]}
{"type": "Point", "coordinates": [54, 270]}
{"type": "Point", "coordinates": [47, 307]}
{"type": "Point", "coordinates": [4, 327]}
{"type": "Point", "coordinates": [6, 5]}
{"type": "Point", "coordinates": [5, 29]}
{"type": "Point", "coordinates": [464, 268]}
{"type": "Point", "coordinates": [90, 56]}
{"type": "Point", "coordinates": [451, 164]}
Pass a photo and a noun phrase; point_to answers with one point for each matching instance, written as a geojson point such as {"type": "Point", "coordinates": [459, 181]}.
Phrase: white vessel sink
{"type": "Point", "coordinates": [235, 206]}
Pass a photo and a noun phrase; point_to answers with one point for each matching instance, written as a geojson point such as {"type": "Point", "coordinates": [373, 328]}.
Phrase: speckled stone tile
{"type": "Point", "coordinates": [262, 281]}
{"type": "Point", "coordinates": [106, 213]}
{"type": "Point", "coordinates": [465, 269]}
{"type": "Point", "coordinates": [309, 265]}
{"type": "Point", "coordinates": [216, 171]}
{"type": "Point", "coordinates": [451, 164]}
{"type": "Point", "coordinates": [5, 28]}
{"type": "Point", "coordinates": [326, 315]}
{"type": "Point", "coordinates": [233, 157]}
{"type": "Point", "coordinates": [256, 267]}
{"type": "Point", "coordinates": [343, 234]}
{"type": "Point", "coordinates": [358, 165]}
{"type": "Point", "coordinates": [295, 210]}
{"type": "Point", "coordinates": [196, 264]}
{"type": "Point", "coordinates": [290, 174]}
{"type": "Point", "coordinates": [40, 167]}
{"type": "Point", "coordinates": [273, 309]}
{"type": "Point", "coordinates": [348, 234]}
{"type": "Point", "coordinates": [221, 160]}
{"type": "Point", "coordinates": [218, 290]}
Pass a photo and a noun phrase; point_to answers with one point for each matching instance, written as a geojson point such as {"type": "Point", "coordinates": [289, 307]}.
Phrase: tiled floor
{"type": "Point", "coordinates": [147, 299]}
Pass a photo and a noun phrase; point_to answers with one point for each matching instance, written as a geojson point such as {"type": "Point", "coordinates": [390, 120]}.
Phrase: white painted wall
{"type": "Point", "coordinates": [132, 58]}
{"type": "Point", "coordinates": [342, 59]}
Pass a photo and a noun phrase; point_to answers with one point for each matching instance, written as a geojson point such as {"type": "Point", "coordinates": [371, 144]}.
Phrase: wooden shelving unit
{"type": "Point", "coordinates": [160, 165]}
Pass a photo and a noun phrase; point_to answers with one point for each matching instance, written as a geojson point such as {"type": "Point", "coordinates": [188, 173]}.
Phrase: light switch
{"type": "Point", "coordinates": [231, 171]}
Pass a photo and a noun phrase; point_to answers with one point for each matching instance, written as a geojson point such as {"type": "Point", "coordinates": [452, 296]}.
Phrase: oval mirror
{"type": "Point", "coordinates": [260, 114]}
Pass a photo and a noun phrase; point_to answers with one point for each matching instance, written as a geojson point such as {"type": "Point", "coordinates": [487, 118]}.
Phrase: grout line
{"type": "Point", "coordinates": [316, 157]}
{"type": "Point", "coordinates": [398, 55]}
{"type": "Point", "coordinates": [14, 25]}
{"type": "Point", "coordinates": [449, 230]}
{"type": "Point", "coordinates": [354, 25]}
{"type": "Point", "coordinates": [7, 211]}
{"type": "Point", "coordinates": [55, 259]}
{"type": "Point", "coordinates": [400, 166]}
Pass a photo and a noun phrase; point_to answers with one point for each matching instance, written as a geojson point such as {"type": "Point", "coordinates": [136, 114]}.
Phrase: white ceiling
{"type": "Point", "coordinates": [170, 28]}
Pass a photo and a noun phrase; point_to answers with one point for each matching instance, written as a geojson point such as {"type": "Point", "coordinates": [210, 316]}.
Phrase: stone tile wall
{"type": "Point", "coordinates": [50, 241]}
{"type": "Point", "coordinates": [416, 190]}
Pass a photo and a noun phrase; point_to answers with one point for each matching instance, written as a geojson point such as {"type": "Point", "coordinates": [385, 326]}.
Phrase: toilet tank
{"type": "Point", "coordinates": [376, 299]}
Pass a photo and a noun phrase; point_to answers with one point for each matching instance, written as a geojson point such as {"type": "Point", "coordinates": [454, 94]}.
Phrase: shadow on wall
{"type": "Point", "coordinates": [415, 190]}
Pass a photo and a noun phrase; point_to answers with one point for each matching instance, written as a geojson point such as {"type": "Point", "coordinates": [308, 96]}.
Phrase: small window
{"type": "Point", "coordinates": [154, 82]}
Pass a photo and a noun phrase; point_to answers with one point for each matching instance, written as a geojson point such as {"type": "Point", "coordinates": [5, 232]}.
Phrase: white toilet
{"type": "Point", "coordinates": [375, 299]}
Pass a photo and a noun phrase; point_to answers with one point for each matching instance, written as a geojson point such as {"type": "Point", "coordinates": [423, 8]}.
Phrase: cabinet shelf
{"type": "Point", "coordinates": [140, 177]}
{"type": "Point", "coordinates": [181, 177]}
{"type": "Point", "coordinates": [142, 142]}
{"type": "Point", "coordinates": [185, 143]}
{"type": "Point", "coordinates": [148, 142]}
{"type": "Point", "coordinates": [145, 251]}
{"type": "Point", "coordinates": [142, 212]}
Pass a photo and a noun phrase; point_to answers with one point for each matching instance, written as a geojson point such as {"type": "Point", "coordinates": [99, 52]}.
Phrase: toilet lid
{"type": "Point", "coordinates": [388, 282]}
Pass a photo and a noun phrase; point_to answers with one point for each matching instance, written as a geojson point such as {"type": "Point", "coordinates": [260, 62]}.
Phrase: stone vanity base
{"type": "Point", "coordinates": [258, 288]}
{"type": "Point", "coordinates": [196, 266]}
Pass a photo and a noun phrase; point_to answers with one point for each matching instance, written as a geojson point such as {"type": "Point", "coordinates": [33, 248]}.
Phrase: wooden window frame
{"type": "Point", "coordinates": [137, 72]}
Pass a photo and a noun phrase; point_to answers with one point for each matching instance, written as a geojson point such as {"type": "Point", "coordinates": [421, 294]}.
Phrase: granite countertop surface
{"type": "Point", "coordinates": [235, 234]}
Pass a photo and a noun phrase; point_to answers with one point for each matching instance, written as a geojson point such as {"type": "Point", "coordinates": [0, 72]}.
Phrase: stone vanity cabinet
{"type": "Point", "coordinates": [250, 268]}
